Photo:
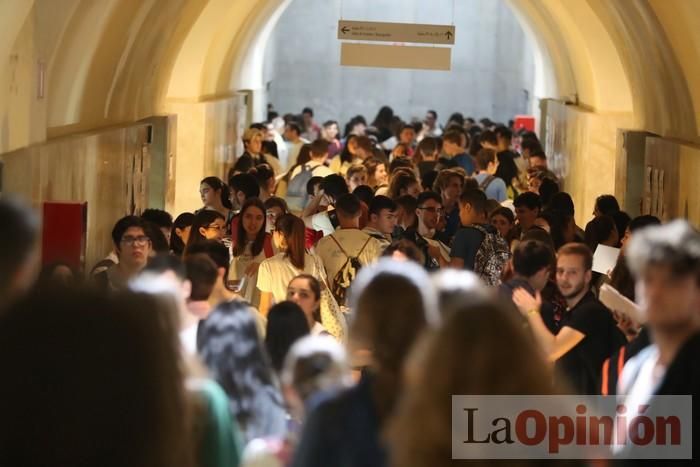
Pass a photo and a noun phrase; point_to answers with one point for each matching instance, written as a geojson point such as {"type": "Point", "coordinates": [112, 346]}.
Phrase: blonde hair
{"type": "Point", "coordinates": [251, 133]}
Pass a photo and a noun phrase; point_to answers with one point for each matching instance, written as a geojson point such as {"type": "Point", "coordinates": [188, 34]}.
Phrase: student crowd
{"type": "Point", "coordinates": [334, 290]}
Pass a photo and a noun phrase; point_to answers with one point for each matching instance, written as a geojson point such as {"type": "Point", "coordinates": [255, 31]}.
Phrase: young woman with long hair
{"type": "Point", "coordinates": [180, 233]}
{"type": "Point", "coordinates": [347, 157]}
{"type": "Point", "coordinates": [377, 175]}
{"type": "Point", "coordinates": [101, 384]}
{"type": "Point", "coordinates": [276, 272]}
{"type": "Point", "coordinates": [497, 356]}
{"type": "Point", "coordinates": [235, 356]}
{"type": "Point", "coordinates": [207, 225]}
{"type": "Point", "coordinates": [215, 196]}
{"type": "Point", "coordinates": [393, 304]}
{"type": "Point", "coordinates": [305, 291]}
{"type": "Point", "coordinates": [251, 245]}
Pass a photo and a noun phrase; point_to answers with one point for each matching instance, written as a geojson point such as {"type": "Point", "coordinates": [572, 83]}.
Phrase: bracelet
{"type": "Point", "coordinates": [533, 311]}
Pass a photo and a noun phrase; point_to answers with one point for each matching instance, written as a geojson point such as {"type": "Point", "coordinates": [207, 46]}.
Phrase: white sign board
{"type": "Point", "coordinates": [392, 56]}
{"type": "Point", "coordinates": [396, 32]}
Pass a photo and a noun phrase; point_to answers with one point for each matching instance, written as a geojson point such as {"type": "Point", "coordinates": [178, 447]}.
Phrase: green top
{"type": "Point", "coordinates": [221, 444]}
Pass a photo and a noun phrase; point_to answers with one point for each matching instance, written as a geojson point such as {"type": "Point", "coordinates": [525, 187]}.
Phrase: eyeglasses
{"type": "Point", "coordinates": [214, 227]}
{"type": "Point", "coordinates": [141, 240]}
{"type": "Point", "coordinates": [433, 210]}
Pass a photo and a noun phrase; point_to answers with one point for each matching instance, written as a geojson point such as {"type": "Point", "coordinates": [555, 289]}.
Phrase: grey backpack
{"type": "Point", "coordinates": [297, 196]}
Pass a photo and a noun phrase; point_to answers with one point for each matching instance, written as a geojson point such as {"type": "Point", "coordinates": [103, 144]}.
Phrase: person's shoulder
{"type": "Point", "coordinates": [322, 170]}
{"type": "Point", "coordinates": [591, 303]}
{"type": "Point", "coordinates": [323, 243]}
{"type": "Point", "coordinates": [273, 260]}
{"type": "Point", "coordinates": [498, 182]}
{"type": "Point", "coordinates": [472, 230]}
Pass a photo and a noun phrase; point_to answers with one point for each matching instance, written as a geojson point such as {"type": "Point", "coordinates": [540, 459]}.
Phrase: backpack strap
{"type": "Point", "coordinates": [487, 181]}
{"type": "Point", "coordinates": [363, 246]}
{"type": "Point", "coordinates": [343, 249]}
{"type": "Point", "coordinates": [339, 246]}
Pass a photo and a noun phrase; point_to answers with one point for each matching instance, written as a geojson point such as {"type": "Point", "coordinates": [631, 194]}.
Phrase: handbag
{"type": "Point", "coordinates": [332, 317]}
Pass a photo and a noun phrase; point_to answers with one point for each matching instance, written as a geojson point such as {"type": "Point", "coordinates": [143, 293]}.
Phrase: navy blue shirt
{"type": "Point", "coordinates": [343, 432]}
{"type": "Point", "coordinates": [452, 223]}
{"type": "Point", "coordinates": [467, 242]}
{"type": "Point", "coordinates": [465, 161]}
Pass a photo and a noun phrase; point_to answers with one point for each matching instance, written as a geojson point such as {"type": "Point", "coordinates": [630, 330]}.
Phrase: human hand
{"type": "Point", "coordinates": [625, 324]}
{"type": "Point", "coordinates": [525, 302]}
{"type": "Point", "coordinates": [434, 251]}
{"type": "Point", "coordinates": [252, 269]}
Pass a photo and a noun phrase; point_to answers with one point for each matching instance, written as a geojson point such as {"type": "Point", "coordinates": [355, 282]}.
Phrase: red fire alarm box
{"type": "Point", "coordinates": [64, 234]}
{"type": "Point", "coordinates": [526, 122]}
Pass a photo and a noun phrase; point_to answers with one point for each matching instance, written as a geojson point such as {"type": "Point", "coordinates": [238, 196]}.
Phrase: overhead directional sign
{"type": "Point", "coordinates": [389, 56]}
{"type": "Point", "coordinates": [396, 32]}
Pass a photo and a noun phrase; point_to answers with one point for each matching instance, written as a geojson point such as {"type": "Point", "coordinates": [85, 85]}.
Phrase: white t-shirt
{"type": "Point", "coordinates": [352, 241]}
{"type": "Point", "coordinates": [237, 272]}
{"type": "Point", "coordinates": [320, 222]}
{"type": "Point", "coordinates": [277, 272]}
{"type": "Point", "coordinates": [640, 378]}
{"type": "Point", "coordinates": [188, 339]}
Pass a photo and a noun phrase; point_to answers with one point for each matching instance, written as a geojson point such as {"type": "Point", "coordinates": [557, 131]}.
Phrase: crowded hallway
{"type": "Point", "coordinates": [194, 274]}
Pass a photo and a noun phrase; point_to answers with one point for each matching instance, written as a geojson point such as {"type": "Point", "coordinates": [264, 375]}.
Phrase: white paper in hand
{"type": "Point", "coordinates": [614, 300]}
{"type": "Point", "coordinates": [605, 258]}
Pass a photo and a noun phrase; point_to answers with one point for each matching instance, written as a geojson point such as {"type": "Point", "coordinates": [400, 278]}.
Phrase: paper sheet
{"type": "Point", "coordinates": [605, 258]}
{"type": "Point", "coordinates": [614, 300]}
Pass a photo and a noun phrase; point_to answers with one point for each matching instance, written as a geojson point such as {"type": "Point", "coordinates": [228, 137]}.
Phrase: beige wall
{"type": "Point", "coordinates": [582, 149]}
{"type": "Point", "coordinates": [207, 142]}
{"type": "Point", "coordinates": [101, 169]}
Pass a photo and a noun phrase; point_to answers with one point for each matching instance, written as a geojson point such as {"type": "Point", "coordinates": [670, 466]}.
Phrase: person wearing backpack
{"type": "Point", "coordinates": [347, 249]}
{"type": "Point", "coordinates": [478, 246]}
{"type": "Point", "coordinates": [486, 165]}
{"type": "Point", "coordinates": [297, 196]}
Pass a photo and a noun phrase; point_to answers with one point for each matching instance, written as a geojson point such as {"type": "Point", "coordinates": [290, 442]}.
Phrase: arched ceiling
{"type": "Point", "coordinates": [116, 61]}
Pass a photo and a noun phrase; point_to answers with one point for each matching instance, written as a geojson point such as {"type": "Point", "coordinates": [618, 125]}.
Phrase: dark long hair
{"type": "Point", "coordinates": [345, 155]}
{"type": "Point", "coordinates": [293, 230]}
{"type": "Point", "coordinates": [500, 357]}
{"type": "Point", "coordinates": [389, 316]}
{"type": "Point", "coordinates": [217, 184]}
{"type": "Point", "coordinates": [259, 242]}
{"type": "Point", "coordinates": [303, 157]}
{"type": "Point", "coordinates": [507, 170]}
{"type": "Point", "coordinates": [236, 358]}
{"type": "Point", "coordinates": [383, 118]}
{"type": "Point", "coordinates": [202, 219]}
{"type": "Point", "coordinates": [110, 389]}
{"type": "Point", "coordinates": [184, 220]}
{"type": "Point", "coordinates": [315, 287]}
{"type": "Point", "coordinates": [286, 323]}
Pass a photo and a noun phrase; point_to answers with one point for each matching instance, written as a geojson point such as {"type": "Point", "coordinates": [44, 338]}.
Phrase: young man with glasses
{"type": "Point", "coordinates": [429, 212]}
{"type": "Point", "coordinates": [133, 248]}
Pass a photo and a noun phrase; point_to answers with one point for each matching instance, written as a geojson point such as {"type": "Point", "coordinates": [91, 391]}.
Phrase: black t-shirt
{"type": "Point", "coordinates": [426, 166]}
{"type": "Point", "coordinates": [445, 163]}
{"type": "Point", "coordinates": [466, 244]}
{"type": "Point", "coordinates": [582, 365]}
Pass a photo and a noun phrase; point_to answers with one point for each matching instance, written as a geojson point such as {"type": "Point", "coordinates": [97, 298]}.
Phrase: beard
{"type": "Point", "coordinates": [577, 289]}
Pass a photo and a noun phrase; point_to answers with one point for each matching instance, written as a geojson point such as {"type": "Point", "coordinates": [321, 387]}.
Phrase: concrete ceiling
{"type": "Point", "coordinates": [108, 62]}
